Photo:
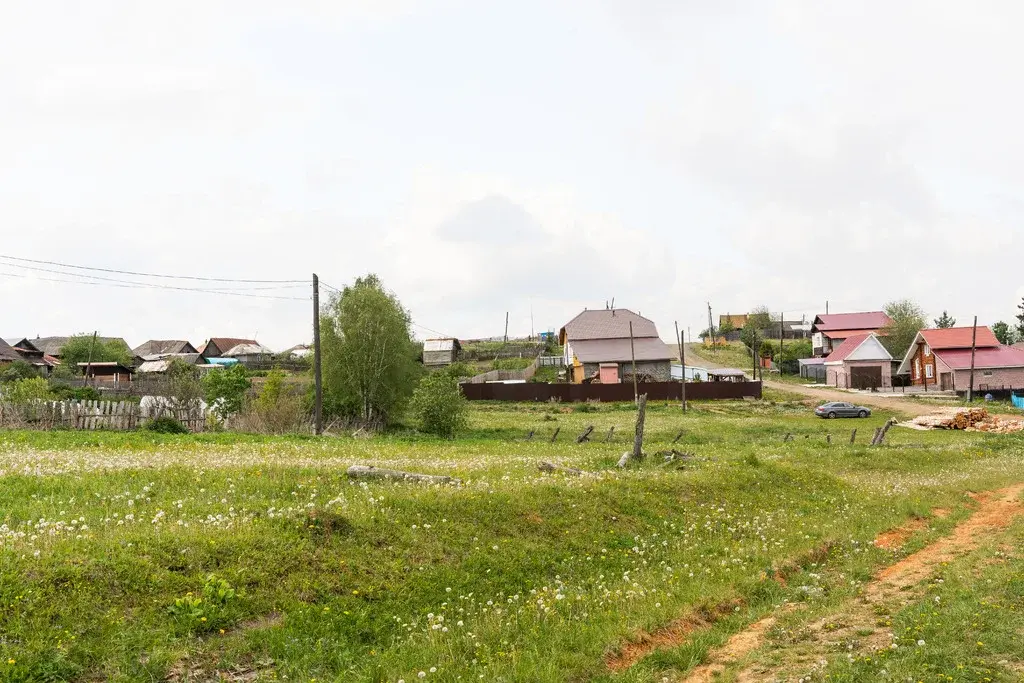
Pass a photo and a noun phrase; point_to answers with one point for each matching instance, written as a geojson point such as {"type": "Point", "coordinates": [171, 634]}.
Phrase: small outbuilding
{"type": "Point", "coordinates": [107, 372]}
{"type": "Point", "coordinates": [440, 352]}
{"type": "Point", "coordinates": [727, 375]}
{"type": "Point", "coordinates": [860, 362]}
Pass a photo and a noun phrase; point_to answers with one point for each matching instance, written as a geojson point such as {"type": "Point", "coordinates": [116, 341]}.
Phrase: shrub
{"type": "Point", "coordinates": [225, 390]}
{"type": "Point", "coordinates": [279, 408]}
{"type": "Point", "coordinates": [512, 363]}
{"type": "Point", "coordinates": [165, 425]}
{"type": "Point", "coordinates": [25, 390]}
{"type": "Point", "coordinates": [19, 369]}
{"type": "Point", "coordinates": [63, 391]}
{"type": "Point", "coordinates": [439, 405]}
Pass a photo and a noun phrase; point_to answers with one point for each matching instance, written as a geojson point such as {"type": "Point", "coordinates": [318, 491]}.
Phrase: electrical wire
{"type": "Point", "coordinates": [156, 275]}
{"type": "Point", "coordinates": [170, 287]}
{"type": "Point", "coordinates": [153, 284]}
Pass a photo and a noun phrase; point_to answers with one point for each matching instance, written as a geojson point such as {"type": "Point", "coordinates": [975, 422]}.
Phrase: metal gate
{"type": "Point", "coordinates": [866, 377]}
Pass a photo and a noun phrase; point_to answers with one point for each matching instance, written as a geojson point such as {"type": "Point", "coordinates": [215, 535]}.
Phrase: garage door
{"type": "Point", "coordinates": [866, 378]}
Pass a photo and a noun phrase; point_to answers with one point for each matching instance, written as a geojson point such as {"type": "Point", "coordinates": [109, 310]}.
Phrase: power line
{"type": "Point", "coordinates": [135, 286]}
{"type": "Point", "coordinates": [152, 284]}
{"type": "Point", "coordinates": [168, 277]}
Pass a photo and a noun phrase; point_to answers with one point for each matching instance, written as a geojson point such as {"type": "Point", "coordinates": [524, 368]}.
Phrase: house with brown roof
{"type": "Point", "coordinates": [7, 353]}
{"type": "Point", "coordinates": [28, 352]}
{"type": "Point", "coordinates": [597, 347]}
{"type": "Point", "coordinates": [941, 358]}
{"type": "Point", "coordinates": [215, 347]}
{"type": "Point", "coordinates": [830, 330]}
{"type": "Point", "coordinates": [860, 362]}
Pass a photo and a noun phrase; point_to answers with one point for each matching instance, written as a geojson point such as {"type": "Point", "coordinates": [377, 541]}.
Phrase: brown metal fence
{"type": "Point", "coordinates": [656, 391]}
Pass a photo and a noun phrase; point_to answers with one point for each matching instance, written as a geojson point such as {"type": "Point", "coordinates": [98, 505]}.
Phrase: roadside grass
{"type": "Point", "coordinates": [510, 575]}
{"type": "Point", "coordinates": [730, 354]}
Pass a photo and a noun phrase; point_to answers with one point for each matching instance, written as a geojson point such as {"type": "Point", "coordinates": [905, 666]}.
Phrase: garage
{"type": "Point", "coordinates": [860, 362]}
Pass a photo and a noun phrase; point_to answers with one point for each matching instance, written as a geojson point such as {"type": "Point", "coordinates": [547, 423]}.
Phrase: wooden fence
{"type": "Point", "coordinates": [656, 391]}
{"type": "Point", "coordinates": [92, 415]}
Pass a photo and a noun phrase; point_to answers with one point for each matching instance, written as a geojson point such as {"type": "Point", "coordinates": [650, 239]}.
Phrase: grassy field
{"type": "Point", "coordinates": [730, 355]}
{"type": "Point", "coordinates": [142, 557]}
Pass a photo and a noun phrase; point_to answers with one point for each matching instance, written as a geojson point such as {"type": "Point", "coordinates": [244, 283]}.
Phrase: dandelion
{"type": "Point", "coordinates": [920, 643]}
{"type": "Point", "coordinates": [422, 674]}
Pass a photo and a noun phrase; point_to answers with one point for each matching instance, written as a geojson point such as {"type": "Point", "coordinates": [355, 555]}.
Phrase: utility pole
{"type": "Point", "coordinates": [826, 308]}
{"type": "Point", "coordinates": [632, 353]}
{"type": "Point", "coordinates": [318, 405]}
{"type": "Point", "coordinates": [506, 327]}
{"type": "Point", "coordinates": [974, 341]}
{"type": "Point", "coordinates": [88, 363]}
{"type": "Point", "coordinates": [682, 361]}
{"type": "Point", "coordinates": [711, 326]}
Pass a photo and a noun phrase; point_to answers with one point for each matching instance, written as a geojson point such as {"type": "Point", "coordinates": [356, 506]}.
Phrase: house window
{"type": "Point", "coordinates": [929, 371]}
{"type": "Point", "coordinates": [986, 373]}
{"type": "Point", "coordinates": [927, 351]}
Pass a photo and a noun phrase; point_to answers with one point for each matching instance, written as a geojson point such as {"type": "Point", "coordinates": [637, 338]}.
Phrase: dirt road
{"type": "Point", "coordinates": [889, 402]}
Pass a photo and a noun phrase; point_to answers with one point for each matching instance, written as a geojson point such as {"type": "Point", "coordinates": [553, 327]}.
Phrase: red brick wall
{"type": "Point", "coordinates": [1011, 378]}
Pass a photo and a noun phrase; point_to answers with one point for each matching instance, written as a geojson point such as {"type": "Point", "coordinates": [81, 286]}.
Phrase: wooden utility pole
{"type": "Point", "coordinates": [638, 436]}
{"type": "Point", "coordinates": [88, 363]}
{"type": "Point", "coordinates": [632, 353]}
{"type": "Point", "coordinates": [682, 361]}
{"type": "Point", "coordinates": [782, 335]}
{"type": "Point", "coordinates": [826, 308]}
{"type": "Point", "coordinates": [974, 341]}
{"type": "Point", "coordinates": [318, 401]}
{"type": "Point", "coordinates": [506, 327]}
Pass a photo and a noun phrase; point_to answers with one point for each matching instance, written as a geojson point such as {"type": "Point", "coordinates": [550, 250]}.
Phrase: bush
{"type": "Point", "coordinates": [439, 405]}
{"type": "Point", "coordinates": [62, 392]}
{"type": "Point", "coordinates": [19, 369]}
{"type": "Point", "coordinates": [25, 390]}
{"type": "Point", "coordinates": [165, 425]}
{"type": "Point", "coordinates": [512, 363]}
{"type": "Point", "coordinates": [279, 408]}
{"type": "Point", "coordinates": [225, 390]}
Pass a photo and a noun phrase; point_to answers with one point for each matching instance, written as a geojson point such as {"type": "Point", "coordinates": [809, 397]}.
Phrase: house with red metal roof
{"type": "Point", "coordinates": [830, 330]}
{"type": "Point", "coordinates": [860, 362]}
{"type": "Point", "coordinates": [942, 358]}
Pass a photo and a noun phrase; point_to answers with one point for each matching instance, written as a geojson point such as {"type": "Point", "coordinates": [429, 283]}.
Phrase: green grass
{"type": "Point", "coordinates": [511, 575]}
{"type": "Point", "coordinates": [730, 354]}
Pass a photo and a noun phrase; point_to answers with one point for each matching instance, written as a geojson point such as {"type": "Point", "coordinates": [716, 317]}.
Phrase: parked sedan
{"type": "Point", "coordinates": [839, 409]}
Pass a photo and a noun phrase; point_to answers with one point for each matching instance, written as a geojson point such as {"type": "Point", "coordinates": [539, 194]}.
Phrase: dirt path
{"type": "Point", "coordinates": [895, 402]}
{"type": "Point", "coordinates": [893, 586]}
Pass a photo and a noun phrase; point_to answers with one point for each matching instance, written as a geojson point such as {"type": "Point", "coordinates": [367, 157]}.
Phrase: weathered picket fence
{"type": "Point", "coordinates": [92, 415]}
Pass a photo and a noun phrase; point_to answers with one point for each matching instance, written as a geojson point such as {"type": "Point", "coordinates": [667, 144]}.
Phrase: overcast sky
{"type": "Point", "coordinates": [485, 157]}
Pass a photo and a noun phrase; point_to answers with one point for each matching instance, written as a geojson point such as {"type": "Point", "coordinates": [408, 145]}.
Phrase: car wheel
{"type": "Point", "coordinates": [831, 416]}
{"type": "Point", "coordinates": [863, 413]}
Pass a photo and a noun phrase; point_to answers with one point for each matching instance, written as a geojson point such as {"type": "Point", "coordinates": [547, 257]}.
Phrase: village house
{"type": "Point", "coordinates": [7, 353]}
{"type": "Point", "coordinates": [163, 347]}
{"type": "Point", "coordinates": [161, 363]}
{"type": "Point", "coordinates": [440, 352]}
{"type": "Point", "coordinates": [250, 354]}
{"type": "Point", "coordinates": [216, 347]}
{"type": "Point", "coordinates": [942, 358]}
{"type": "Point", "coordinates": [597, 347]}
{"type": "Point", "coordinates": [830, 330]}
{"type": "Point", "coordinates": [27, 352]}
{"type": "Point", "coordinates": [860, 362]}
{"type": "Point", "coordinates": [51, 346]}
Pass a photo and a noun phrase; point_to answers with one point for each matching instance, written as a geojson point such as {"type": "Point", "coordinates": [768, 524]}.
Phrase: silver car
{"type": "Point", "coordinates": [840, 409]}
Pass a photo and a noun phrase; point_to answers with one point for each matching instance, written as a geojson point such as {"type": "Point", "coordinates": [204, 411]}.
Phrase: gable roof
{"type": "Point", "coordinates": [21, 343]}
{"type": "Point", "coordinates": [430, 345]}
{"type": "Point", "coordinates": [618, 351]}
{"type": "Point", "coordinates": [247, 349]}
{"type": "Point", "coordinates": [944, 342]}
{"type": "Point", "coordinates": [159, 347]}
{"type": "Point", "coordinates": [872, 320]}
{"type": "Point", "coordinates": [958, 337]}
{"type": "Point", "coordinates": [984, 358]}
{"type": "Point", "coordinates": [51, 346]}
{"type": "Point", "coordinates": [871, 344]}
{"type": "Point", "coordinates": [608, 323]}
{"type": "Point", "coordinates": [224, 344]}
{"type": "Point", "coordinates": [7, 352]}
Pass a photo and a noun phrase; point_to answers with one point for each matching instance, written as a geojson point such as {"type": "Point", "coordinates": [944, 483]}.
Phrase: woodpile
{"type": "Point", "coordinates": [952, 418]}
{"type": "Point", "coordinates": [998, 425]}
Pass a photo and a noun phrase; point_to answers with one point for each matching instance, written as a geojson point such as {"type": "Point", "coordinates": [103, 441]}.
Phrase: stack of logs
{"type": "Point", "coordinates": [998, 425]}
{"type": "Point", "coordinates": [953, 418]}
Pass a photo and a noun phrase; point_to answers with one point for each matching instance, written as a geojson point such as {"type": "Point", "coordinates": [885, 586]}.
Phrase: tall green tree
{"type": "Point", "coordinates": [370, 363]}
{"type": "Point", "coordinates": [77, 350]}
{"type": "Point", "coordinates": [907, 320]}
{"type": "Point", "coordinates": [225, 389]}
{"type": "Point", "coordinates": [1020, 320]}
{"type": "Point", "coordinates": [945, 321]}
{"type": "Point", "coordinates": [760, 317]}
{"type": "Point", "coordinates": [1004, 333]}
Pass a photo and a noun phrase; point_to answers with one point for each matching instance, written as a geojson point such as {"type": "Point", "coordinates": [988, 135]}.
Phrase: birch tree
{"type": "Point", "coordinates": [369, 359]}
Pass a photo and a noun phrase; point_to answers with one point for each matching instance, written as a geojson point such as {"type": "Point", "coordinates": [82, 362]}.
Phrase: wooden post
{"type": "Point", "coordinates": [682, 361]}
{"type": "Point", "coordinates": [88, 363]}
{"type": "Point", "coordinates": [638, 437]}
{"type": "Point", "coordinates": [318, 398]}
{"type": "Point", "coordinates": [632, 353]}
{"type": "Point", "coordinates": [555, 435]}
{"type": "Point", "coordinates": [853, 436]}
{"type": "Point", "coordinates": [506, 327]}
{"type": "Point", "coordinates": [585, 436]}
{"type": "Point", "coordinates": [678, 436]}
{"type": "Point", "coordinates": [974, 341]}
{"type": "Point", "coordinates": [611, 433]}
{"type": "Point", "coordinates": [828, 438]}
